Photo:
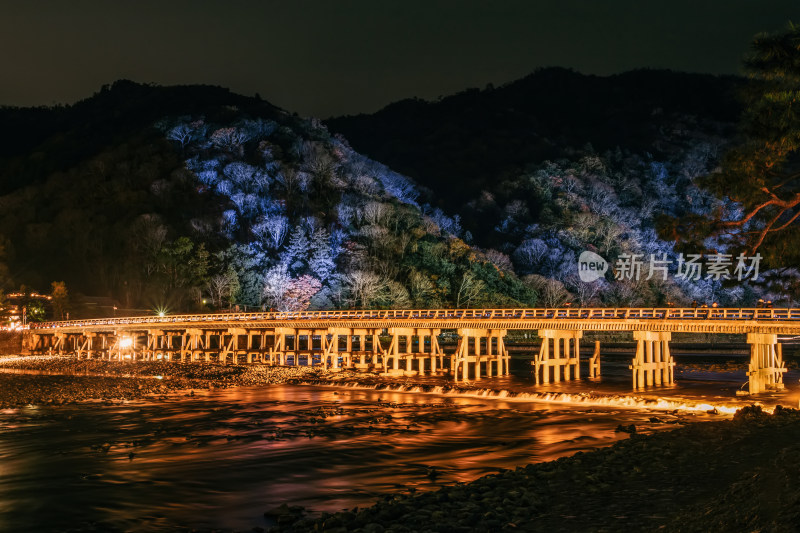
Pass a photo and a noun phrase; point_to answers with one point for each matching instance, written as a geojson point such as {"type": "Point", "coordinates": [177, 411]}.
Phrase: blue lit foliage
{"type": "Point", "coordinates": [305, 213]}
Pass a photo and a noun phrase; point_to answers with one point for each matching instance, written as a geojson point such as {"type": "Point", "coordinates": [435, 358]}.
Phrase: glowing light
{"type": "Point", "coordinates": [125, 342]}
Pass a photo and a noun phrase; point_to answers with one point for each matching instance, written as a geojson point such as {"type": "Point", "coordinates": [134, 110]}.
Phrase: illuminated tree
{"type": "Point", "coordinates": [272, 231]}
{"type": "Point", "coordinates": [299, 293]}
{"type": "Point", "coordinates": [321, 261]}
{"type": "Point", "coordinates": [297, 250]}
{"type": "Point", "coordinates": [469, 290]}
{"type": "Point", "coordinates": [230, 139]}
{"type": "Point", "coordinates": [246, 177]}
{"type": "Point", "coordinates": [277, 283]}
{"type": "Point", "coordinates": [423, 290]}
{"type": "Point", "coordinates": [223, 287]}
{"type": "Point", "coordinates": [182, 133]}
{"type": "Point", "coordinates": [365, 287]}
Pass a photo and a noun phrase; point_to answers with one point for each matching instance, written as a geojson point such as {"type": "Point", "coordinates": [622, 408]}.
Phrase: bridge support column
{"type": "Point", "coordinates": [170, 347]}
{"type": "Point", "coordinates": [83, 345]}
{"type": "Point", "coordinates": [192, 345]}
{"type": "Point", "coordinates": [432, 352]}
{"type": "Point", "coordinates": [366, 348]}
{"type": "Point", "coordinates": [280, 347]}
{"type": "Point", "coordinates": [332, 348]}
{"type": "Point", "coordinates": [153, 344]}
{"type": "Point", "coordinates": [594, 362]}
{"type": "Point", "coordinates": [468, 352]}
{"type": "Point", "coordinates": [565, 355]}
{"type": "Point", "coordinates": [766, 363]}
{"type": "Point", "coordinates": [58, 343]}
{"type": "Point", "coordinates": [653, 364]}
{"type": "Point", "coordinates": [395, 352]}
{"type": "Point", "coordinates": [30, 343]}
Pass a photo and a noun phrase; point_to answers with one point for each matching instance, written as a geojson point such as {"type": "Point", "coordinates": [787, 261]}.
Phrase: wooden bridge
{"type": "Point", "coordinates": [405, 342]}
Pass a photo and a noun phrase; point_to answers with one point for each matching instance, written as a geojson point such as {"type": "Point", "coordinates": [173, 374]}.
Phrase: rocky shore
{"type": "Point", "coordinates": [53, 380]}
{"type": "Point", "coordinates": [733, 475]}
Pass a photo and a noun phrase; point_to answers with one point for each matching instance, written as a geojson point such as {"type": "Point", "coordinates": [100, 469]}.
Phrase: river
{"type": "Point", "coordinates": [221, 458]}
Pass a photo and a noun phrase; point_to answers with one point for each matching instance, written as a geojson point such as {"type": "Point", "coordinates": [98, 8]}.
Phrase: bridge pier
{"type": "Point", "coordinates": [565, 355]}
{"type": "Point", "coordinates": [152, 345]}
{"type": "Point", "coordinates": [193, 347]}
{"type": "Point", "coordinates": [58, 343]}
{"type": "Point", "coordinates": [766, 363]}
{"type": "Point", "coordinates": [367, 348]}
{"type": "Point", "coordinates": [332, 349]}
{"type": "Point", "coordinates": [399, 348]}
{"type": "Point", "coordinates": [594, 362]}
{"type": "Point", "coordinates": [83, 348]}
{"type": "Point", "coordinates": [653, 364]}
{"type": "Point", "coordinates": [408, 345]}
{"type": "Point", "coordinates": [468, 352]}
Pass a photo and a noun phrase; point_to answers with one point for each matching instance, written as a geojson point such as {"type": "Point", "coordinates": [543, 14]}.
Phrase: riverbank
{"type": "Point", "coordinates": [53, 380]}
{"type": "Point", "coordinates": [733, 475]}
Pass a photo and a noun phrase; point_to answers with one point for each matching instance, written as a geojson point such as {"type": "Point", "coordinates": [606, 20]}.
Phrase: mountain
{"type": "Point", "coordinates": [189, 198]}
{"type": "Point", "coordinates": [558, 163]}
{"type": "Point", "coordinates": [183, 198]}
{"type": "Point", "coordinates": [471, 141]}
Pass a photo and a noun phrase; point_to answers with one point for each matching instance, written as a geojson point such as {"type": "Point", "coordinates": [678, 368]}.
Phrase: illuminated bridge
{"type": "Point", "coordinates": [405, 342]}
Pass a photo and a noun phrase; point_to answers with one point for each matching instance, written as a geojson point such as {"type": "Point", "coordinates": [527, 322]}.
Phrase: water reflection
{"type": "Point", "coordinates": [220, 458]}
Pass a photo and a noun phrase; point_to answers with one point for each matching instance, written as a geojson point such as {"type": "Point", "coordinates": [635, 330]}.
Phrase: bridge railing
{"type": "Point", "coordinates": [587, 313]}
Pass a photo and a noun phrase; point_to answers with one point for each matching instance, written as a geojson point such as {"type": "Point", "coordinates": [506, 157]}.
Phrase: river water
{"type": "Point", "coordinates": [221, 458]}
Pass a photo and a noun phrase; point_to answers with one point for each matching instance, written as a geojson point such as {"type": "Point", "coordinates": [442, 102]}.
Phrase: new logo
{"type": "Point", "coordinates": [591, 266]}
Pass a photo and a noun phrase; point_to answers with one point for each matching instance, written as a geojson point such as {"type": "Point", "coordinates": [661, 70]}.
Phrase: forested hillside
{"type": "Point", "coordinates": [191, 198]}
{"type": "Point", "coordinates": [468, 142]}
{"type": "Point", "coordinates": [558, 163]}
{"type": "Point", "coordinates": [241, 204]}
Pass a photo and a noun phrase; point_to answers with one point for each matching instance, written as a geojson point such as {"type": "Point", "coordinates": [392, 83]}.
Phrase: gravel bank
{"type": "Point", "coordinates": [734, 475]}
{"type": "Point", "coordinates": [58, 380]}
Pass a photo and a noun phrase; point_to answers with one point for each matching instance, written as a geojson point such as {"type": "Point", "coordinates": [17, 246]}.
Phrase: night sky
{"type": "Point", "coordinates": [331, 57]}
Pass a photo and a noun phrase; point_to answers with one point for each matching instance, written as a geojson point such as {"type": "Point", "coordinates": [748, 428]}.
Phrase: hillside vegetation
{"type": "Point", "coordinates": [190, 198]}
{"type": "Point", "coordinates": [242, 204]}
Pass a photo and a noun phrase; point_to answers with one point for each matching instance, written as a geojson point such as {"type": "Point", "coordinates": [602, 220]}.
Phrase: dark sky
{"type": "Point", "coordinates": [330, 57]}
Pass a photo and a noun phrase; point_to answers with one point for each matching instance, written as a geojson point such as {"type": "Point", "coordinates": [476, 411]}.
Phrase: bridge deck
{"type": "Point", "coordinates": [699, 320]}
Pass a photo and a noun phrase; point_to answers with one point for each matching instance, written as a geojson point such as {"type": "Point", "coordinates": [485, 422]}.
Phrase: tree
{"type": "Point", "coordinates": [223, 287]}
{"type": "Point", "coordinates": [230, 139]}
{"type": "Point", "coordinates": [276, 284]}
{"type": "Point", "coordinates": [761, 175]}
{"type": "Point", "coordinates": [299, 293]}
{"type": "Point", "coordinates": [59, 299]}
{"type": "Point", "coordinates": [297, 250]}
{"type": "Point", "coordinates": [469, 290]}
{"type": "Point", "coordinates": [184, 268]}
{"type": "Point", "coordinates": [423, 290]}
{"type": "Point", "coordinates": [272, 230]}
{"type": "Point", "coordinates": [321, 261]}
{"type": "Point", "coordinates": [365, 287]}
{"type": "Point", "coordinates": [182, 133]}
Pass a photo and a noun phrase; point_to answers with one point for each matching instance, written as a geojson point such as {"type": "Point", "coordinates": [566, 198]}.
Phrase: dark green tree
{"type": "Point", "coordinates": [762, 173]}
{"type": "Point", "coordinates": [59, 299]}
